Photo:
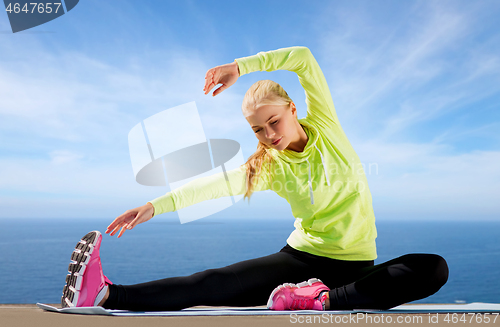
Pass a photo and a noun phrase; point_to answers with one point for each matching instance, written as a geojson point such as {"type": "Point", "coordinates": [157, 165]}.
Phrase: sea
{"type": "Point", "coordinates": [35, 253]}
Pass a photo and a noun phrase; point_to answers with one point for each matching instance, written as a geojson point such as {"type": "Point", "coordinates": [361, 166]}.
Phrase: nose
{"type": "Point", "coordinates": [270, 133]}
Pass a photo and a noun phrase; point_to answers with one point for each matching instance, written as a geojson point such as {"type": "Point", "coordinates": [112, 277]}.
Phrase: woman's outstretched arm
{"type": "Point", "coordinates": [229, 183]}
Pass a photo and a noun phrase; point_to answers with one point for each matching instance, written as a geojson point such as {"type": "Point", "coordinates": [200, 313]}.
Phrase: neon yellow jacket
{"type": "Point", "coordinates": [325, 184]}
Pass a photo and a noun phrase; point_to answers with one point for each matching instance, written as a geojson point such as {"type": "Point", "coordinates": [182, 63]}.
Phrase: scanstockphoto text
{"type": "Point", "coordinates": [346, 178]}
{"type": "Point", "coordinates": [333, 169]}
{"type": "Point", "coordinates": [369, 318]}
{"type": "Point", "coordinates": [356, 318]}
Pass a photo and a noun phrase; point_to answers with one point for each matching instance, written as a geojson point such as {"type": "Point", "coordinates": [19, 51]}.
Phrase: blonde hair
{"type": "Point", "coordinates": [263, 92]}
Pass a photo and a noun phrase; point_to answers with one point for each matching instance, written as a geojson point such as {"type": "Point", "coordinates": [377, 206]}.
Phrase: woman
{"type": "Point", "coordinates": [311, 164]}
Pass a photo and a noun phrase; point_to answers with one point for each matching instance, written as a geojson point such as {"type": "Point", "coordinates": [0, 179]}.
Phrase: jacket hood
{"type": "Point", "coordinates": [298, 157]}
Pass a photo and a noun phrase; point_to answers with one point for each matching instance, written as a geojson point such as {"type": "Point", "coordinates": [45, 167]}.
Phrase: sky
{"type": "Point", "coordinates": [416, 87]}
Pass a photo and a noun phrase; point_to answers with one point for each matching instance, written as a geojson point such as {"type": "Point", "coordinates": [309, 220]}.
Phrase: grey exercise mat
{"type": "Point", "coordinates": [249, 311]}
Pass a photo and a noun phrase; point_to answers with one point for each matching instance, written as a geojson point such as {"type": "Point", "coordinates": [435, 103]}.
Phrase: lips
{"type": "Point", "coordinates": [277, 141]}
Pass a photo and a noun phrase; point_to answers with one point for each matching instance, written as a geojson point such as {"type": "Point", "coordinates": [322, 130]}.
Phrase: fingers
{"type": "Point", "coordinates": [209, 81]}
{"type": "Point", "coordinates": [220, 89]}
{"type": "Point", "coordinates": [217, 91]}
{"type": "Point", "coordinates": [115, 230]}
{"type": "Point", "coordinates": [133, 223]}
{"type": "Point", "coordinates": [113, 227]}
{"type": "Point", "coordinates": [209, 87]}
{"type": "Point", "coordinates": [124, 226]}
{"type": "Point", "coordinates": [120, 222]}
{"type": "Point", "coordinates": [130, 219]}
{"type": "Point", "coordinates": [110, 227]}
{"type": "Point", "coordinates": [225, 74]}
{"type": "Point", "coordinates": [122, 231]}
{"type": "Point", "coordinates": [212, 78]}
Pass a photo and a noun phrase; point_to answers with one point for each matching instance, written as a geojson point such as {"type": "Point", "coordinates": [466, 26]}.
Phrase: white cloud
{"type": "Point", "coordinates": [426, 179]}
{"type": "Point", "coordinates": [59, 157]}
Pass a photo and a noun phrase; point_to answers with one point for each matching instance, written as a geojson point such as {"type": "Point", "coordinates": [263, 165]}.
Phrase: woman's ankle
{"type": "Point", "coordinates": [324, 298]}
{"type": "Point", "coordinates": [104, 298]}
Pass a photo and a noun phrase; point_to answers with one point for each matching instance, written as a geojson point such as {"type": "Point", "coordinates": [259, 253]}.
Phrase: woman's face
{"type": "Point", "coordinates": [274, 122]}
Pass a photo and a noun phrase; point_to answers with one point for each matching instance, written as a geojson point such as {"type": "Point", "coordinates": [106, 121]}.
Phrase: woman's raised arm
{"type": "Point", "coordinates": [299, 60]}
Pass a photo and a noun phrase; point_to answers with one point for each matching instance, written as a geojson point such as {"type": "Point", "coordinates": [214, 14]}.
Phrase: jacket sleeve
{"type": "Point", "coordinates": [209, 187]}
{"type": "Point", "coordinates": [300, 60]}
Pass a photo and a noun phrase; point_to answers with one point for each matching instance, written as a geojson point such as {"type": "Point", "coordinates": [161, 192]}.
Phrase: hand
{"type": "Point", "coordinates": [226, 75]}
{"type": "Point", "coordinates": [130, 219]}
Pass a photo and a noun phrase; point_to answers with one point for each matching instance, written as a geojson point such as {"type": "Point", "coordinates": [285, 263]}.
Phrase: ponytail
{"type": "Point", "coordinates": [261, 93]}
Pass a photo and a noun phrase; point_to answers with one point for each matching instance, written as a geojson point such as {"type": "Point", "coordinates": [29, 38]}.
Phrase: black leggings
{"type": "Point", "coordinates": [353, 284]}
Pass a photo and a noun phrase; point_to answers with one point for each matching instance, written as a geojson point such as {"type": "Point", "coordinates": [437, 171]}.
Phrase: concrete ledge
{"type": "Point", "coordinates": [30, 315]}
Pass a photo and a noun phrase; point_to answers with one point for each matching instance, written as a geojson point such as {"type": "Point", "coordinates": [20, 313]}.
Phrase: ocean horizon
{"type": "Point", "coordinates": [35, 253]}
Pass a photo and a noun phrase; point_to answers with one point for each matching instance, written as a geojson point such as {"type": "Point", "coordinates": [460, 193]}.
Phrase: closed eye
{"type": "Point", "coordinates": [274, 122]}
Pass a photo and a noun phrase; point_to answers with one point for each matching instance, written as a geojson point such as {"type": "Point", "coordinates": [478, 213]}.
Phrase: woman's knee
{"type": "Point", "coordinates": [440, 269]}
{"type": "Point", "coordinates": [432, 267]}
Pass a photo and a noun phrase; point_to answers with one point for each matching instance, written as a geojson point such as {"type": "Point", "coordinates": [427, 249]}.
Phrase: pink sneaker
{"type": "Point", "coordinates": [86, 285]}
{"type": "Point", "coordinates": [301, 296]}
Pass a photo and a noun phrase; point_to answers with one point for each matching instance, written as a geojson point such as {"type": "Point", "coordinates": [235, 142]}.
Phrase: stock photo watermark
{"type": "Point", "coordinates": [25, 14]}
{"type": "Point", "coordinates": [352, 168]}
{"type": "Point", "coordinates": [374, 318]}
{"type": "Point", "coordinates": [343, 178]}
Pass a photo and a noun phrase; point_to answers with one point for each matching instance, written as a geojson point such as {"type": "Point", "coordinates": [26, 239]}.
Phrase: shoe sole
{"type": "Point", "coordinates": [309, 282]}
{"type": "Point", "coordinates": [79, 260]}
